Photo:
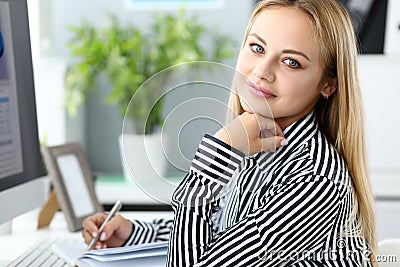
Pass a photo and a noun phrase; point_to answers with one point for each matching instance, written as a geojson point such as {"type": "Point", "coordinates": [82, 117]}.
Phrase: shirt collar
{"type": "Point", "coordinates": [302, 129]}
{"type": "Point", "coordinates": [296, 134]}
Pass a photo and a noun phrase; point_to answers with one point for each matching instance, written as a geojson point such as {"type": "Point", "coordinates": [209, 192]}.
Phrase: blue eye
{"type": "Point", "coordinates": [292, 63]}
{"type": "Point", "coordinates": [257, 48]}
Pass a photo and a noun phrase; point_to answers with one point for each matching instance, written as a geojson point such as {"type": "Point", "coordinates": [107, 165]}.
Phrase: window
{"type": "Point", "coordinates": [172, 4]}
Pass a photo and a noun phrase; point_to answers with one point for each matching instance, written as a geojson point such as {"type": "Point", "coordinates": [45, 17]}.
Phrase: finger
{"type": "Point", "coordinates": [272, 143]}
{"type": "Point", "coordinates": [265, 123]}
{"type": "Point", "coordinates": [110, 228]}
{"type": "Point", "coordinates": [268, 133]}
{"type": "Point", "coordinates": [278, 130]}
{"type": "Point", "coordinates": [99, 245]}
{"type": "Point", "coordinates": [92, 223]}
{"type": "Point", "coordinates": [87, 237]}
{"type": "Point", "coordinates": [268, 127]}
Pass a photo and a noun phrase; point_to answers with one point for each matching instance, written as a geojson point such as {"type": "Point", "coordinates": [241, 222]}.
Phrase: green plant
{"type": "Point", "coordinates": [128, 57]}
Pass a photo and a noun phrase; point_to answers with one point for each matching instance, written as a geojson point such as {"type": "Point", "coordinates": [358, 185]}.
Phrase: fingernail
{"type": "Point", "coordinates": [94, 234]}
{"type": "Point", "coordinates": [284, 142]}
{"type": "Point", "coordinates": [103, 236]}
{"type": "Point", "coordinates": [98, 246]}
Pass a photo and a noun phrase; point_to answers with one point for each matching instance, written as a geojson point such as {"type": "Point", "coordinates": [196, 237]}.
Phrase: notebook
{"type": "Point", "coordinates": [149, 255]}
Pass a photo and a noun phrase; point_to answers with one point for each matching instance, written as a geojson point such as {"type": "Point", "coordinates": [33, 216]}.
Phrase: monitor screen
{"type": "Point", "coordinates": [20, 159]}
{"type": "Point", "coordinates": [369, 22]}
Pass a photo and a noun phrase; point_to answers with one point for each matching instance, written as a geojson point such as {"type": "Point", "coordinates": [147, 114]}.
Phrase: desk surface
{"type": "Point", "coordinates": [24, 233]}
{"type": "Point", "coordinates": [109, 188]}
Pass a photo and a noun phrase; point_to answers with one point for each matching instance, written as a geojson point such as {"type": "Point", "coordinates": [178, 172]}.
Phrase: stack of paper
{"type": "Point", "coordinates": [149, 255]}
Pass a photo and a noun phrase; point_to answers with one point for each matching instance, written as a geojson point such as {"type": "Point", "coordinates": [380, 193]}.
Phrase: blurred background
{"type": "Point", "coordinates": [98, 123]}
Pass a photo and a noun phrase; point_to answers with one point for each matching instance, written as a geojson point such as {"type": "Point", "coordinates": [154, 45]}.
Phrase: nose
{"type": "Point", "coordinates": [264, 70]}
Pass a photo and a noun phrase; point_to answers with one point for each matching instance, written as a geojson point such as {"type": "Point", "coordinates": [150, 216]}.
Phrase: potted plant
{"type": "Point", "coordinates": [127, 57]}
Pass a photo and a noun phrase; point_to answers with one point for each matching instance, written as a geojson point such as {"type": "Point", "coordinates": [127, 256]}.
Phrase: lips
{"type": "Point", "coordinates": [259, 91]}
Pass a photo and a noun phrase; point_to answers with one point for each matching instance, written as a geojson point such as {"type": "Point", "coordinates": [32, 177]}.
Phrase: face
{"type": "Point", "coordinates": [281, 64]}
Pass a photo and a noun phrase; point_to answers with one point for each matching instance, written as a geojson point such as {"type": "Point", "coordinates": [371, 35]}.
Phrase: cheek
{"type": "Point", "coordinates": [244, 64]}
{"type": "Point", "coordinates": [305, 84]}
{"type": "Point", "coordinates": [243, 67]}
{"type": "Point", "coordinates": [302, 91]}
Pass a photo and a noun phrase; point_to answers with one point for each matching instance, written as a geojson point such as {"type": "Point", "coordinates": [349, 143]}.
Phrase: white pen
{"type": "Point", "coordinates": [117, 206]}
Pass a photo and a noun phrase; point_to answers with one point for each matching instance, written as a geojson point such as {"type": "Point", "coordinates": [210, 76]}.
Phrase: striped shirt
{"type": "Point", "coordinates": [288, 208]}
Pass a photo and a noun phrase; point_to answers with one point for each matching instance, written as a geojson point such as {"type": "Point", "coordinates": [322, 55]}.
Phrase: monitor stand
{"type": "Point", "coordinates": [23, 198]}
{"type": "Point", "coordinates": [46, 215]}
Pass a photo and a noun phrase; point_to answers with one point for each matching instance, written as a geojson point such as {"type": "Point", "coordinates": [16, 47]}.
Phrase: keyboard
{"type": "Point", "coordinates": [41, 255]}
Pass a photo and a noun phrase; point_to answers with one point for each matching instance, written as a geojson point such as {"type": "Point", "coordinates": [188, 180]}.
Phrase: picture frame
{"type": "Point", "coordinates": [73, 182]}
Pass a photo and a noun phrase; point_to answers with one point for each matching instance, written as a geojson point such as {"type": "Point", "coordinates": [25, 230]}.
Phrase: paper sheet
{"type": "Point", "coordinates": [149, 255]}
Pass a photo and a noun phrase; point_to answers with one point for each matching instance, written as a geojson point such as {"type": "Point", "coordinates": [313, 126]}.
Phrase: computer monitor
{"type": "Point", "coordinates": [22, 185]}
{"type": "Point", "coordinates": [369, 21]}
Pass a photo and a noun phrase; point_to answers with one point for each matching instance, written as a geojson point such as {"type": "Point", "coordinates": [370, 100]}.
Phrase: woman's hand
{"type": "Point", "coordinates": [114, 234]}
{"type": "Point", "coordinates": [251, 133]}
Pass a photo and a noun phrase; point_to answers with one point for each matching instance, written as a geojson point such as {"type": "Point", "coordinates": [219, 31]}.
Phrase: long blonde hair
{"type": "Point", "coordinates": [341, 118]}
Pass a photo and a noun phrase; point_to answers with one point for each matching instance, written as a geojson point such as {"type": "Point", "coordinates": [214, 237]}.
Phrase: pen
{"type": "Point", "coordinates": [117, 206]}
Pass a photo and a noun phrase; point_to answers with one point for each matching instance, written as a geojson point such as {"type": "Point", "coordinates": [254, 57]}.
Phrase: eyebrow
{"type": "Point", "coordinates": [290, 51]}
{"type": "Point", "coordinates": [259, 38]}
{"type": "Point", "coordinates": [286, 51]}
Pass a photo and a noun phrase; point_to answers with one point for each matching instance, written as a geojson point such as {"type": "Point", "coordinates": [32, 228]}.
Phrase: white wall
{"type": "Point", "coordinates": [49, 87]}
{"type": "Point", "coordinates": [230, 18]}
{"type": "Point", "coordinates": [392, 34]}
{"type": "Point", "coordinates": [381, 91]}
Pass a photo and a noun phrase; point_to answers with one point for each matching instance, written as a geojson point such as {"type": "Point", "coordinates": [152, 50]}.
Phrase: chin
{"type": "Point", "coordinates": [263, 110]}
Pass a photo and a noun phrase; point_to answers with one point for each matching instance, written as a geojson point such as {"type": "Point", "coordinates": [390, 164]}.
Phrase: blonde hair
{"type": "Point", "coordinates": [341, 118]}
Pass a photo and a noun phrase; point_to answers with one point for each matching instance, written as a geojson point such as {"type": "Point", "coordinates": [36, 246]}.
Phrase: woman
{"type": "Point", "coordinates": [307, 204]}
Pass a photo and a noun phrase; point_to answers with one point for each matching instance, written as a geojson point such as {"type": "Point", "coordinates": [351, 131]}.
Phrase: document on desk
{"type": "Point", "coordinates": [149, 255]}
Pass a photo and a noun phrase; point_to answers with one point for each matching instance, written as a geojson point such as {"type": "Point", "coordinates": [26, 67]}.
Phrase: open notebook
{"type": "Point", "coordinates": [149, 255]}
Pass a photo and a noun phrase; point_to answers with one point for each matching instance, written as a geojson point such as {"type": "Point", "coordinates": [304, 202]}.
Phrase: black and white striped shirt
{"type": "Point", "coordinates": [288, 208]}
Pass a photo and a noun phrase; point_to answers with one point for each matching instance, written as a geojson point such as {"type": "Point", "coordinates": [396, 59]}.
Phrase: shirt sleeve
{"type": "Point", "coordinates": [147, 232]}
{"type": "Point", "coordinates": [294, 217]}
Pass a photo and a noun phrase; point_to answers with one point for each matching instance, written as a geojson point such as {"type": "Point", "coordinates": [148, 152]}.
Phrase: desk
{"type": "Point", "coordinates": [109, 188]}
{"type": "Point", "coordinates": [24, 233]}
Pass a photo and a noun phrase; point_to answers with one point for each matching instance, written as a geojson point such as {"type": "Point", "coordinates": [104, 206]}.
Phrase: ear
{"type": "Point", "coordinates": [329, 87]}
